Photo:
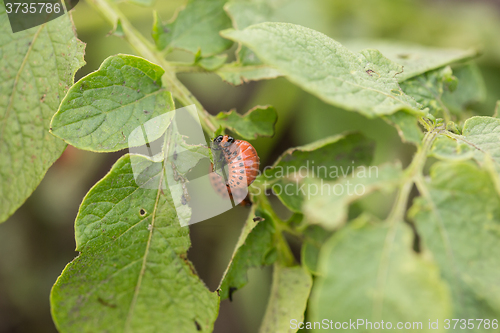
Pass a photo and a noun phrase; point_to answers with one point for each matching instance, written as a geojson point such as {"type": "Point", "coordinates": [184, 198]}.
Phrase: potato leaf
{"type": "Point", "coordinates": [37, 68]}
{"type": "Point", "coordinates": [103, 108]}
{"type": "Point", "coordinates": [364, 82]}
{"type": "Point", "coordinates": [132, 274]}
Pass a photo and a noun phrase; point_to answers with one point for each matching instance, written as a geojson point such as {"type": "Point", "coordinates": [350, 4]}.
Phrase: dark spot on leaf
{"type": "Point", "coordinates": [183, 200]}
{"type": "Point", "coordinates": [258, 219]}
{"type": "Point", "coordinates": [175, 155]}
{"type": "Point", "coordinates": [218, 292]}
{"type": "Point", "coordinates": [138, 90]}
{"type": "Point", "coordinates": [145, 111]}
{"type": "Point", "coordinates": [166, 30]}
{"type": "Point", "coordinates": [142, 212]}
{"type": "Point", "coordinates": [231, 291]}
{"type": "Point", "coordinates": [403, 56]}
{"type": "Point", "coordinates": [124, 82]}
{"type": "Point", "coordinates": [103, 302]}
{"type": "Point", "coordinates": [370, 72]}
{"type": "Point", "coordinates": [198, 327]}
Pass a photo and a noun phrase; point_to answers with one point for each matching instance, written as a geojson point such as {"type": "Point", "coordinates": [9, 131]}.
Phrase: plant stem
{"type": "Point", "coordinates": [148, 51]}
{"type": "Point", "coordinates": [285, 255]}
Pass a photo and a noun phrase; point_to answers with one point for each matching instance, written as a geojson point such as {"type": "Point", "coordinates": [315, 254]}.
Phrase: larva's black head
{"type": "Point", "coordinates": [218, 139]}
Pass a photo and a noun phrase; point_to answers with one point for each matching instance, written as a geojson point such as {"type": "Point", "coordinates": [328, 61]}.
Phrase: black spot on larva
{"type": "Point", "coordinates": [239, 158]}
{"type": "Point", "coordinates": [175, 155]}
{"type": "Point", "coordinates": [241, 178]}
{"type": "Point", "coordinates": [237, 183]}
{"type": "Point", "coordinates": [241, 164]}
{"type": "Point", "coordinates": [198, 327]}
{"type": "Point", "coordinates": [242, 171]}
{"type": "Point", "coordinates": [231, 291]}
{"type": "Point", "coordinates": [234, 171]}
{"type": "Point", "coordinates": [235, 153]}
{"type": "Point", "coordinates": [142, 212]}
{"type": "Point", "coordinates": [234, 176]}
{"type": "Point", "coordinates": [231, 162]}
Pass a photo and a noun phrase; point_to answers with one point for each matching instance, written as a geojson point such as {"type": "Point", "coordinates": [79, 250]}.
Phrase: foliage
{"type": "Point", "coordinates": [434, 256]}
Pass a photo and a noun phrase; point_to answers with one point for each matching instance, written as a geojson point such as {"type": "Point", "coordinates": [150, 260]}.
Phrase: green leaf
{"type": "Point", "coordinates": [244, 14]}
{"type": "Point", "coordinates": [132, 274]}
{"type": "Point", "coordinates": [236, 73]}
{"type": "Point", "coordinates": [428, 88]}
{"type": "Point", "coordinates": [259, 121]}
{"type": "Point", "coordinates": [289, 293]}
{"type": "Point", "coordinates": [369, 271]}
{"type": "Point", "coordinates": [248, 67]}
{"type": "Point", "coordinates": [196, 27]}
{"type": "Point", "coordinates": [103, 108]}
{"type": "Point", "coordinates": [415, 59]}
{"type": "Point", "coordinates": [448, 149]}
{"type": "Point", "coordinates": [328, 206]}
{"type": "Point", "coordinates": [363, 82]}
{"type": "Point", "coordinates": [327, 159]}
{"type": "Point", "coordinates": [314, 237]}
{"type": "Point", "coordinates": [481, 135]}
{"type": "Point", "coordinates": [406, 125]}
{"type": "Point", "coordinates": [213, 62]}
{"type": "Point", "coordinates": [37, 67]}
{"type": "Point", "coordinates": [458, 218]}
{"type": "Point", "coordinates": [255, 248]}
{"type": "Point", "coordinates": [470, 89]}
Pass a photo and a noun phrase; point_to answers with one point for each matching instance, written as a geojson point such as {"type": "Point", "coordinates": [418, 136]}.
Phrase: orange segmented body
{"type": "Point", "coordinates": [238, 195]}
{"type": "Point", "coordinates": [241, 159]}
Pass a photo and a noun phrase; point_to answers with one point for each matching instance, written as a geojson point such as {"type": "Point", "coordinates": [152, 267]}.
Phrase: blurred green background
{"type": "Point", "coordinates": [38, 240]}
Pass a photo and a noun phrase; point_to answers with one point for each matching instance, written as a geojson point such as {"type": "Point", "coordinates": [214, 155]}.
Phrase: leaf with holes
{"type": "Point", "coordinates": [415, 59]}
{"type": "Point", "coordinates": [102, 109]}
{"type": "Point", "coordinates": [38, 66]}
{"type": "Point", "coordinates": [132, 274]}
{"type": "Point", "coordinates": [364, 82]}
{"type": "Point", "coordinates": [458, 218]}
{"type": "Point", "coordinates": [259, 121]}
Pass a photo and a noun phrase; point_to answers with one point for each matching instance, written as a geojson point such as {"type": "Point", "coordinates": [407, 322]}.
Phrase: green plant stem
{"type": "Point", "coordinates": [285, 255]}
{"type": "Point", "coordinates": [413, 173]}
{"type": "Point", "coordinates": [148, 51]}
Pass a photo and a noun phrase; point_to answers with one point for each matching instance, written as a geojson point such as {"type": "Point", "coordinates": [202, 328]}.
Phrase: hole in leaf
{"type": "Point", "coordinates": [396, 92]}
{"type": "Point", "coordinates": [142, 212]}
